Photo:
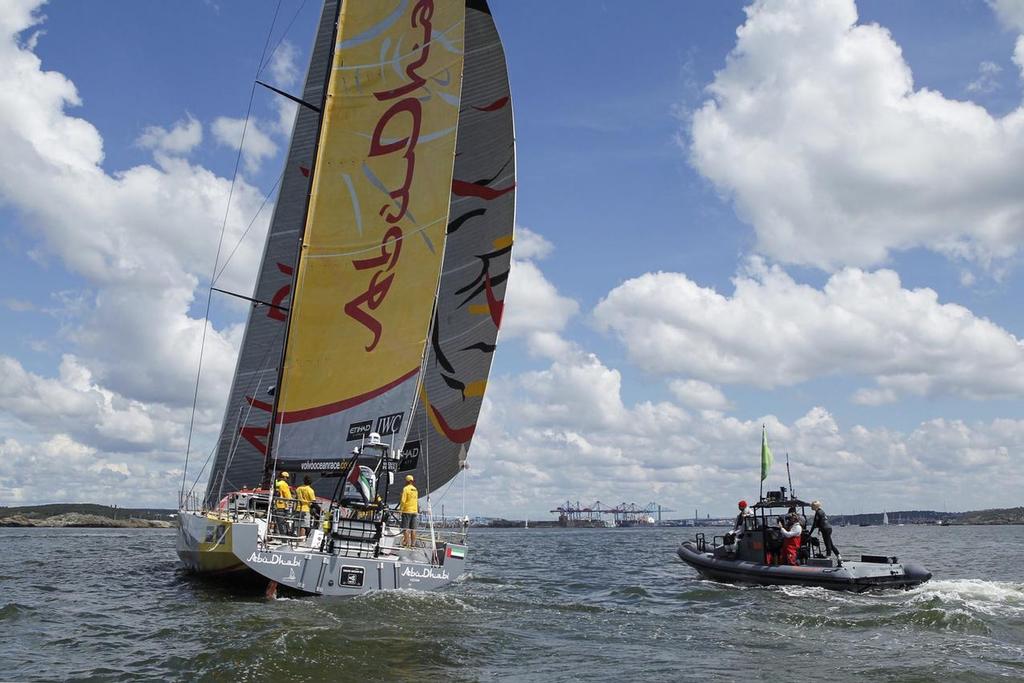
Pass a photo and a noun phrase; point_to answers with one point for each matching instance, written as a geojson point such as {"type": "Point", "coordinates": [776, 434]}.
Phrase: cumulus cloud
{"type": "Point", "coordinates": [699, 395]}
{"type": "Point", "coordinates": [534, 309]}
{"type": "Point", "coordinates": [816, 131]}
{"type": "Point", "coordinates": [181, 139]}
{"type": "Point", "coordinates": [60, 469]}
{"type": "Point", "coordinates": [774, 332]}
{"type": "Point", "coordinates": [566, 432]}
{"type": "Point", "coordinates": [531, 246]}
{"type": "Point", "coordinates": [284, 67]}
{"type": "Point", "coordinates": [257, 146]}
{"type": "Point", "coordinates": [988, 78]}
{"type": "Point", "coordinates": [141, 240]}
{"type": "Point", "coordinates": [1010, 13]}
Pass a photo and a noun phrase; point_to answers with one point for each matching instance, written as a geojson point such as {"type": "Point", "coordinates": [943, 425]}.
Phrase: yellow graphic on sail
{"type": "Point", "coordinates": [375, 231]}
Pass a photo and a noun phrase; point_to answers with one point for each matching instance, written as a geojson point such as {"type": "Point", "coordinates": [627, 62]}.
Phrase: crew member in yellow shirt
{"type": "Point", "coordinates": [282, 522]}
{"type": "Point", "coordinates": [283, 491]}
{"type": "Point", "coordinates": [409, 506]}
{"type": "Point", "coordinates": [305, 495]}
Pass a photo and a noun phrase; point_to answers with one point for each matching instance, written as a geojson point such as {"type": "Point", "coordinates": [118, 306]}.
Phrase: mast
{"type": "Point", "coordinates": [268, 465]}
{"type": "Point", "coordinates": [242, 445]}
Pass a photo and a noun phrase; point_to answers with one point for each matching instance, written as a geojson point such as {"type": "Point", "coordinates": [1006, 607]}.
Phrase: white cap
{"type": "Point", "coordinates": [374, 439]}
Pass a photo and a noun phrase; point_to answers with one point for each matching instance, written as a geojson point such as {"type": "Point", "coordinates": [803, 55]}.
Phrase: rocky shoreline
{"type": "Point", "coordinates": [78, 520]}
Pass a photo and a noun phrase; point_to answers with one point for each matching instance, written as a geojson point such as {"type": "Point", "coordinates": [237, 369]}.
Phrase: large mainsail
{"type": "Point", "coordinates": [476, 263]}
{"type": "Point", "coordinates": [242, 446]}
{"type": "Point", "coordinates": [375, 233]}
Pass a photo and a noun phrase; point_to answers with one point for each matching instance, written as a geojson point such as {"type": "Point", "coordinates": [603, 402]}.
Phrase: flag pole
{"type": "Point", "coordinates": [789, 477]}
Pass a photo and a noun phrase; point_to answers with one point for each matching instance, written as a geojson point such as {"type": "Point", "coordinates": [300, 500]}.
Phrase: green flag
{"type": "Point", "coordinates": [766, 455]}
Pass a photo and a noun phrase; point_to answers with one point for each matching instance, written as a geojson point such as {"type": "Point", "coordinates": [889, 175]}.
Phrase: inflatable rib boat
{"type": "Point", "coordinates": [750, 558]}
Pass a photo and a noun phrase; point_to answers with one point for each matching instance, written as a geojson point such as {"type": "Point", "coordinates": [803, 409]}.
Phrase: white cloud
{"type": "Point", "coordinates": [774, 331]}
{"type": "Point", "coordinates": [531, 245]}
{"type": "Point", "coordinates": [565, 432]}
{"type": "Point", "coordinates": [1010, 13]}
{"type": "Point", "coordinates": [284, 66]}
{"type": "Point", "coordinates": [534, 310]}
{"type": "Point", "coordinates": [141, 240]}
{"type": "Point", "coordinates": [257, 146]}
{"type": "Point", "coordinates": [699, 395]}
{"type": "Point", "coordinates": [60, 469]}
{"type": "Point", "coordinates": [816, 132]}
{"type": "Point", "coordinates": [532, 304]}
{"type": "Point", "coordinates": [74, 404]}
{"type": "Point", "coordinates": [181, 139]}
{"type": "Point", "coordinates": [988, 78]}
{"type": "Point", "coordinates": [1018, 54]}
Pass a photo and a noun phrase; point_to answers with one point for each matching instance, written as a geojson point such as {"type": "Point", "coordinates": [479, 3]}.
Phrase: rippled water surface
{"type": "Point", "coordinates": [538, 604]}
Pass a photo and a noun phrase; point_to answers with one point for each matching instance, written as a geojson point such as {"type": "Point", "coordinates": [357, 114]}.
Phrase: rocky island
{"type": "Point", "coordinates": [86, 515]}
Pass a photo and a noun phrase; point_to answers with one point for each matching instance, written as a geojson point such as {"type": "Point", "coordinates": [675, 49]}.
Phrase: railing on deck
{"type": "Point", "coordinates": [189, 501]}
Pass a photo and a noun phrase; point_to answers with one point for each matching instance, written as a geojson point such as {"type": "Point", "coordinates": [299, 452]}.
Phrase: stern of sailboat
{"type": "Point", "coordinates": [205, 544]}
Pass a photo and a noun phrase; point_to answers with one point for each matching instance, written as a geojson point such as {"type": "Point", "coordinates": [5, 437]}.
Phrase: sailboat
{"type": "Point", "coordinates": [885, 519]}
{"type": "Point", "coordinates": [376, 310]}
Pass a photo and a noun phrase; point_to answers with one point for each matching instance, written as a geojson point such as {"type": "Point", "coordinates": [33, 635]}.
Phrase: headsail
{"type": "Point", "coordinates": [375, 233]}
{"type": "Point", "coordinates": [242, 446]}
{"type": "Point", "coordinates": [476, 263]}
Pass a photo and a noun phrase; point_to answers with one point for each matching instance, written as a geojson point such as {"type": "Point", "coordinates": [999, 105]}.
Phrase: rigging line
{"type": "Point", "coordinates": [216, 261]}
{"type": "Point", "coordinates": [430, 509]}
{"type": "Point", "coordinates": [212, 451]}
{"type": "Point", "coordinates": [235, 440]}
{"type": "Point", "coordinates": [266, 43]}
{"type": "Point", "coordinates": [266, 198]}
{"type": "Point", "coordinates": [281, 39]}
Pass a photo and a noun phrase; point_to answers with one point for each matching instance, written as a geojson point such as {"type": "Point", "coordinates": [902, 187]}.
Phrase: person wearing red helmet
{"type": "Point", "coordinates": [745, 512]}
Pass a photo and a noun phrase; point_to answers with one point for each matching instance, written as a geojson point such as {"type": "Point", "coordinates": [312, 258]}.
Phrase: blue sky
{"type": "Point", "coordinates": [797, 213]}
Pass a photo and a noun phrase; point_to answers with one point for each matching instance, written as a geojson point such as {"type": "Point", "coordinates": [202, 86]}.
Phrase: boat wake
{"type": "Point", "coordinates": [992, 598]}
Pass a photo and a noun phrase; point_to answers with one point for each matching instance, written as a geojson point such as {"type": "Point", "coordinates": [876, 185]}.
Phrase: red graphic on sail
{"type": "Point", "coordinates": [280, 294]}
{"type": "Point", "coordinates": [495, 105]}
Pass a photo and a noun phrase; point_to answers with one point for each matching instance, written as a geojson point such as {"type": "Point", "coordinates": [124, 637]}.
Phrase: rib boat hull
{"type": "Point", "coordinates": [850, 576]}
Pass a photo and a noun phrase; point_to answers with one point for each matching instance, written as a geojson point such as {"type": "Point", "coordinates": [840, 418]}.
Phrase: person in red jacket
{"type": "Point", "coordinates": [791, 531]}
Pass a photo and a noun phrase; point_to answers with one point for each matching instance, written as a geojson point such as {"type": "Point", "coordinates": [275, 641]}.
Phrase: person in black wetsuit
{"type": "Point", "coordinates": [822, 524]}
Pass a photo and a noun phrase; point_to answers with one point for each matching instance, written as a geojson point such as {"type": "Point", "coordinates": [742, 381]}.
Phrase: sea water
{"type": "Point", "coordinates": [537, 605]}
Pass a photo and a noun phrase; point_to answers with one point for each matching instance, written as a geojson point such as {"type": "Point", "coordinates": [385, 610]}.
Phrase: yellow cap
{"type": "Point", "coordinates": [284, 475]}
{"type": "Point", "coordinates": [408, 477]}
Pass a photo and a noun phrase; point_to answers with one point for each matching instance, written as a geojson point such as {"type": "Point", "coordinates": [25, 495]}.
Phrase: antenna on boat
{"type": "Point", "coordinates": [789, 477]}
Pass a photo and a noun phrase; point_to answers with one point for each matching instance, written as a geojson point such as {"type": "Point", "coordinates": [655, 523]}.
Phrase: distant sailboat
{"type": "Point", "coordinates": [885, 519]}
{"type": "Point", "coordinates": [377, 306]}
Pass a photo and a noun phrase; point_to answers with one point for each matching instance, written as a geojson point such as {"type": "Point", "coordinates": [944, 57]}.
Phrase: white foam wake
{"type": "Point", "coordinates": [997, 598]}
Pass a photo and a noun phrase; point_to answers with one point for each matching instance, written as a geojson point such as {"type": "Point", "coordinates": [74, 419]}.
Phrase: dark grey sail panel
{"type": "Point", "coordinates": [242, 446]}
{"type": "Point", "coordinates": [476, 264]}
